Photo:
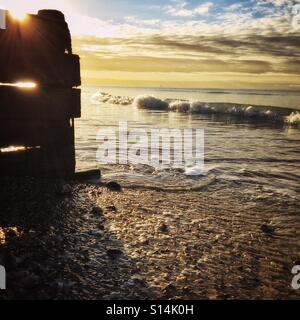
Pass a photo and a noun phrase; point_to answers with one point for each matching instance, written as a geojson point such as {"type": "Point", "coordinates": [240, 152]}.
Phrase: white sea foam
{"type": "Point", "coordinates": [270, 114]}
{"type": "Point", "coordinates": [151, 102]}
{"type": "Point", "coordinates": [108, 98]}
{"type": "Point", "coordinates": [252, 112]}
{"type": "Point", "coordinates": [293, 119]}
{"type": "Point", "coordinates": [236, 111]}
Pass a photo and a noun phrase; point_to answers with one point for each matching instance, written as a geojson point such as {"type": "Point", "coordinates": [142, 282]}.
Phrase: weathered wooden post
{"type": "Point", "coordinates": [38, 50]}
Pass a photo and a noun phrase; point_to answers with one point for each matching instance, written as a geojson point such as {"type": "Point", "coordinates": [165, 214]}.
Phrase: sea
{"type": "Point", "coordinates": [251, 137]}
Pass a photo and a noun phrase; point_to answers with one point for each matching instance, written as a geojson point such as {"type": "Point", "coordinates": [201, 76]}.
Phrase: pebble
{"type": "Point", "coordinates": [97, 211]}
{"type": "Point", "coordinates": [114, 253]}
{"type": "Point", "coordinates": [96, 233]}
{"type": "Point", "coordinates": [114, 186]}
{"type": "Point", "coordinates": [112, 208]}
{"type": "Point", "coordinates": [164, 228]}
{"type": "Point", "coordinates": [267, 229]}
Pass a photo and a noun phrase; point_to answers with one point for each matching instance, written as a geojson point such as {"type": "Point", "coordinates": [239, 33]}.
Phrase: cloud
{"type": "Point", "coordinates": [234, 7]}
{"type": "Point", "coordinates": [234, 41]}
{"type": "Point", "coordinates": [277, 3]}
{"type": "Point", "coordinates": [189, 54]}
{"type": "Point", "coordinates": [179, 9]}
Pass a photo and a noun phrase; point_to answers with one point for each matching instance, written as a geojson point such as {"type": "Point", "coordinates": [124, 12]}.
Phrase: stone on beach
{"type": "Point", "coordinates": [114, 186]}
{"type": "Point", "coordinates": [97, 211]}
{"type": "Point", "coordinates": [164, 228]}
{"type": "Point", "coordinates": [114, 253]}
{"type": "Point", "coordinates": [267, 229]}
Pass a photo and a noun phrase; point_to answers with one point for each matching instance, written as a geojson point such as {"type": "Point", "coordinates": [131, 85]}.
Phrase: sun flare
{"type": "Point", "coordinates": [28, 85]}
{"type": "Point", "coordinates": [22, 85]}
{"type": "Point", "coordinates": [20, 8]}
{"type": "Point", "coordinates": [18, 13]}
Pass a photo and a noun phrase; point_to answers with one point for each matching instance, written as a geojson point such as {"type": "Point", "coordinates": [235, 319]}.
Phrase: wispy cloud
{"type": "Point", "coordinates": [179, 9]}
{"type": "Point", "coordinates": [238, 40]}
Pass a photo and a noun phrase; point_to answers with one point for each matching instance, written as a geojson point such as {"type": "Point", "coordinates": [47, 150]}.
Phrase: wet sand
{"type": "Point", "coordinates": [91, 243]}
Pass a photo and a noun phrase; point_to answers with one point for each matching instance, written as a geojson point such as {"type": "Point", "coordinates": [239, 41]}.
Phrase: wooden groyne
{"type": "Point", "coordinates": [38, 117]}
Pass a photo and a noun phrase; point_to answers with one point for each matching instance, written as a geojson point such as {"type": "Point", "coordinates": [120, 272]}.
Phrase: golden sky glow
{"type": "Point", "coordinates": [176, 43]}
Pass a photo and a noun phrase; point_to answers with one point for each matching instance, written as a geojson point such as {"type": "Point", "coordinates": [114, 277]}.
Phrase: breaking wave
{"type": "Point", "coordinates": [179, 106]}
{"type": "Point", "coordinates": [276, 114]}
{"type": "Point", "coordinates": [150, 102]}
{"type": "Point", "coordinates": [110, 99]}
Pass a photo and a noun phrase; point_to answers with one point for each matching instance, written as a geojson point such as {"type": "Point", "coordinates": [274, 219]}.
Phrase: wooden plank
{"type": "Point", "coordinates": [38, 50]}
{"type": "Point", "coordinates": [38, 104]}
{"type": "Point", "coordinates": [36, 133]}
{"type": "Point", "coordinates": [58, 71]}
{"type": "Point", "coordinates": [38, 162]}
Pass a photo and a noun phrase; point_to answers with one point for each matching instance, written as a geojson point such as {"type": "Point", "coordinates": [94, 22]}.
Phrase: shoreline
{"type": "Point", "coordinates": [91, 243]}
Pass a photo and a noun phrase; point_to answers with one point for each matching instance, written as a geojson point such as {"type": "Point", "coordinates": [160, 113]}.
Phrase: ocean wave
{"type": "Point", "coordinates": [103, 97]}
{"type": "Point", "coordinates": [256, 112]}
{"type": "Point", "coordinates": [150, 102]}
{"type": "Point", "coordinates": [179, 106]}
{"type": "Point", "coordinates": [227, 108]}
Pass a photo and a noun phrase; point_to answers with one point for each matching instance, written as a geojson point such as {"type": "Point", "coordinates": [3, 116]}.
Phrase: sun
{"type": "Point", "coordinates": [18, 13]}
{"type": "Point", "coordinates": [19, 9]}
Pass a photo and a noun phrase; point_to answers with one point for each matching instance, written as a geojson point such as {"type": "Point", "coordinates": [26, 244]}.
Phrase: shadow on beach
{"type": "Point", "coordinates": [57, 245]}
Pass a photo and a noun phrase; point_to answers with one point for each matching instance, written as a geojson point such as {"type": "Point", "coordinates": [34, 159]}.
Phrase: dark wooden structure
{"type": "Point", "coordinates": [41, 119]}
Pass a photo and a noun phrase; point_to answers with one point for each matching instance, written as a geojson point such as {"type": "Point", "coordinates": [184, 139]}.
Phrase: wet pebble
{"type": "Point", "coordinates": [112, 208]}
{"type": "Point", "coordinates": [96, 233]}
{"type": "Point", "coordinates": [267, 229]}
{"type": "Point", "coordinates": [114, 253]}
{"type": "Point", "coordinates": [114, 186]}
{"type": "Point", "coordinates": [164, 228]}
{"type": "Point", "coordinates": [96, 211]}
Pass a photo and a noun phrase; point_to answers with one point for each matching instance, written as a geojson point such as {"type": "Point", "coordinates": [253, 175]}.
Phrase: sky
{"type": "Point", "coordinates": [248, 44]}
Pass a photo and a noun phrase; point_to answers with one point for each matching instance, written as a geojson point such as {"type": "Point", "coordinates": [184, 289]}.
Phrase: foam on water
{"type": "Point", "coordinates": [111, 99]}
{"type": "Point", "coordinates": [293, 119]}
{"type": "Point", "coordinates": [150, 102]}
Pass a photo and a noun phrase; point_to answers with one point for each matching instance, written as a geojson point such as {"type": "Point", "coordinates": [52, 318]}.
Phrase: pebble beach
{"type": "Point", "coordinates": [84, 241]}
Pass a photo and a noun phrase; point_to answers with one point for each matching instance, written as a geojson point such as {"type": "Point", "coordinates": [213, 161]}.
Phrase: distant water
{"type": "Point", "coordinates": [237, 150]}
